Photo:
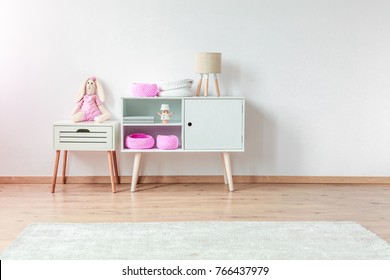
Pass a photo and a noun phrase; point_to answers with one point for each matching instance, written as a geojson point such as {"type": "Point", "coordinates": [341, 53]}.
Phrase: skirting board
{"type": "Point", "coordinates": [201, 179]}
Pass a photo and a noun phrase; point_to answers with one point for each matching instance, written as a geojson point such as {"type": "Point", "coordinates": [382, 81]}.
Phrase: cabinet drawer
{"type": "Point", "coordinates": [81, 137]}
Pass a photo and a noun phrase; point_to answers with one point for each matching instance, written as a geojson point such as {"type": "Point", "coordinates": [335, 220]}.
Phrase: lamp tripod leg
{"type": "Point", "coordinates": [199, 85]}
{"type": "Point", "coordinates": [216, 85]}
{"type": "Point", "coordinates": [206, 85]}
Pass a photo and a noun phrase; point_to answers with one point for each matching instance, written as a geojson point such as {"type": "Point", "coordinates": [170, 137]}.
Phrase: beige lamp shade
{"type": "Point", "coordinates": [208, 62]}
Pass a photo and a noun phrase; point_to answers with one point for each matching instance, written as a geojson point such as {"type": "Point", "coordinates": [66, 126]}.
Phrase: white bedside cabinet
{"type": "Point", "coordinates": [85, 136]}
{"type": "Point", "coordinates": [202, 124]}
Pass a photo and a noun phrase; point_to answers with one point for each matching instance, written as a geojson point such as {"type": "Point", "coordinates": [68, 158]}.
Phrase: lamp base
{"type": "Point", "coordinates": [206, 90]}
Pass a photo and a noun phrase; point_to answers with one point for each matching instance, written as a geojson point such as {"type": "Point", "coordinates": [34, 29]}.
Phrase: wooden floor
{"type": "Point", "coordinates": [21, 205]}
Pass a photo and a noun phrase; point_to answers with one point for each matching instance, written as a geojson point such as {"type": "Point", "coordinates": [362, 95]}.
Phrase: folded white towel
{"type": "Point", "coordinates": [185, 83]}
{"type": "Point", "coordinates": [179, 92]}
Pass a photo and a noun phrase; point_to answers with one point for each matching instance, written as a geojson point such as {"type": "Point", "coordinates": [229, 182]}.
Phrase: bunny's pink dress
{"type": "Point", "coordinates": [89, 105]}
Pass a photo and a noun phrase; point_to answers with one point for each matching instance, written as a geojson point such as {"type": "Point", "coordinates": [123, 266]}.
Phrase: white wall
{"type": "Point", "coordinates": [316, 75]}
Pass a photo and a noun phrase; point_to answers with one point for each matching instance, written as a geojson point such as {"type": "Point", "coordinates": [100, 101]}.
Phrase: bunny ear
{"type": "Point", "coordinates": [100, 91]}
{"type": "Point", "coordinates": [81, 92]}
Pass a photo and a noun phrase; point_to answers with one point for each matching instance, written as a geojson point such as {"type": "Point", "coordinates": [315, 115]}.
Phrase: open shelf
{"type": "Point", "coordinates": [152, 130]}
{"type": "Point", "coordinates": [147, 109]}
{"type": "Point", "coordinates": [151, 106]}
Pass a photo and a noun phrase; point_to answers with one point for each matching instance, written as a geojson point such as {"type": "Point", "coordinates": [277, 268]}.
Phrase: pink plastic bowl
{"type": "Point", "coordinates": [167, 142]}
{"type": "Point", "coordinates": [139, 141]}
{"type": "Point", "coordinates": [144, 90]}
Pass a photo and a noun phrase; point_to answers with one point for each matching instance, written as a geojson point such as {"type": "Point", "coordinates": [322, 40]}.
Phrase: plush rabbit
{"type": "Point", "coordinates": [89, 103]}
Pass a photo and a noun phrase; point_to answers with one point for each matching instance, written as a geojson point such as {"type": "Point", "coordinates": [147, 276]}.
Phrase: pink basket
{"type": "Point", "coordinates": [139, 141]}
{"type": "Point", "coordinates": [144, 90]}
{"type": "Point", "coordinates": [167, 142]}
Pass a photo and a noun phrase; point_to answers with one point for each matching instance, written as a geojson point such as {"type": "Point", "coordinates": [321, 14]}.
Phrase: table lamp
{"type": "Point", "coordinates": [207, 63]}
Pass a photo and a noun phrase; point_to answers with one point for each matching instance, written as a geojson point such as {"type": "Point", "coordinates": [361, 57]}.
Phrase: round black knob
{"type": "Point", "coordinates": [190, 124]}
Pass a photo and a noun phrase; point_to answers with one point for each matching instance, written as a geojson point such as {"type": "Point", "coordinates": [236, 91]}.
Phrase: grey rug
{"type": "Point", "coordinates": [198, 240]}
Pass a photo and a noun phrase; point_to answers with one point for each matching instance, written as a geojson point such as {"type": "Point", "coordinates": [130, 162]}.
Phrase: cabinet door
{"type": "Point", "coordinates": [215, 124]}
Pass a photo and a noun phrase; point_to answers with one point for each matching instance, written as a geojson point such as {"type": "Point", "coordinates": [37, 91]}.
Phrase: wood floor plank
{"type": "Point", "coordinates": [22, 204]}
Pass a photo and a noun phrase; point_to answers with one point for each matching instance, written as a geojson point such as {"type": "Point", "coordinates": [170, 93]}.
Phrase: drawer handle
{"type": "Point", "coordinates": [190, 124]}
{"type": "Point", "coordinates": [82, 130]}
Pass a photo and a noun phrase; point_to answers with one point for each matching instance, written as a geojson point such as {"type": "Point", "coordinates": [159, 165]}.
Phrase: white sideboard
{"type": "Point", "coordinates": [202, 124]}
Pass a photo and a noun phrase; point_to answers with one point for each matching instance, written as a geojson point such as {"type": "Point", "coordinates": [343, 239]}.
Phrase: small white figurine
{"type": "Point", "coordinates": [165, 115]}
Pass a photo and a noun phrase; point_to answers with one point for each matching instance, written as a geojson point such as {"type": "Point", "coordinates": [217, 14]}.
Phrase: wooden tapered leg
{"type": "Point", "coordinates": [53, 184]}
{"type": "Point", "coordinates": [115, 167]}
{"type": "Point", "coordinates": [224, 170]}
{"type": "Point", "coordinates": [198, 89]}
{"type": "Point", "coordinates": [206, 85]}
{"type": "Point", "coordinates": [109, 155]}
{"type": "Point", "coordinates": [217, 85]}
{"type": "Point", "coordinates": [64, 167]}
{"type": "Point", "coordinates": [134, 178]}
{"type": "Point", "coordinates": [226, 157]}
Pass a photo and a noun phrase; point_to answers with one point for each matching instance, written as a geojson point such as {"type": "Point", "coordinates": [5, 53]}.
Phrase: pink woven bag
{"type": "Point", "coordinates": [144, 90]}
{"type": "Point", "coordinates": [167, 142]}
{"type": "Point", "coordinates": [139, 141]}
